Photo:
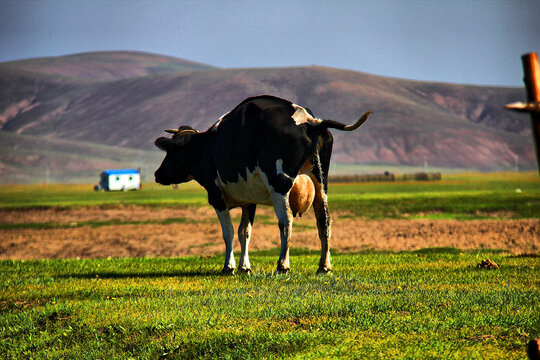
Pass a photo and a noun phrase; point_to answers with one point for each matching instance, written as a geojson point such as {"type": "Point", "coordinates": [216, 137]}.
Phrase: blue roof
{"type": "Point", "coordinates": [121, 171]}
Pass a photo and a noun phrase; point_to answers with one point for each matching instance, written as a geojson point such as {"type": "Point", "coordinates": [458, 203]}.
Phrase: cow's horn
{"type": "Point", "coordinates": [187, 131]}
{"type": "Point", "coordinates": [359, 123]}
{"type": "Point", "coordinates": [177, 132]}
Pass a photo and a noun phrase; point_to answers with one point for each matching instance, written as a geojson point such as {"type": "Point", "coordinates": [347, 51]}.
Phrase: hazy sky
{"type": "Point", "coordinates": [471, 41]}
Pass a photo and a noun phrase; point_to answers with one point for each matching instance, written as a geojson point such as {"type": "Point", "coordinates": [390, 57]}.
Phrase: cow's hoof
{"type": "Point", "coordinates": [246, 271]}
{"type": "Point", "coordinates": [227, 271]}
{"type": "Point", "coordinates": [281, 270]}
{"type": "Point", "coordinates": [324, 270]}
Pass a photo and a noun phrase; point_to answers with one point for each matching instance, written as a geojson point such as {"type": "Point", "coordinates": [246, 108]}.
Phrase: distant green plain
{"type": "Point", "coordinates": [456, 196]}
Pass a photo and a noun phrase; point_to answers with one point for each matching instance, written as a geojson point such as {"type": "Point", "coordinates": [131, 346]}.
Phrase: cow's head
{"type": "Point", "coordinates": [176, 166]}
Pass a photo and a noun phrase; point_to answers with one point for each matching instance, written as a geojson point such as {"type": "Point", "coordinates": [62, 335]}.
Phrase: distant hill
{"type": "Point", "coordinates": [126, 100]}
{"type": "Point", "coordinates": [106, 65]}
{"type": "Point", "coordinates": [37, 159]}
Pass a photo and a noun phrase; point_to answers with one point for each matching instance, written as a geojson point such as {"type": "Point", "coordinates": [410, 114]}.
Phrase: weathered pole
{"type": "Point", "coordinates": [531, 72]}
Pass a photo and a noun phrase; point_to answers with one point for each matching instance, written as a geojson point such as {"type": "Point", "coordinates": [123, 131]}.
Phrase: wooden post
{"type": "Point", "coordinates": [531, 71]}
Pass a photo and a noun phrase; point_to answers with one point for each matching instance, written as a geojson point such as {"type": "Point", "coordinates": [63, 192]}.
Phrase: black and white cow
{"type": "Point", "coordinates": [265, 151]}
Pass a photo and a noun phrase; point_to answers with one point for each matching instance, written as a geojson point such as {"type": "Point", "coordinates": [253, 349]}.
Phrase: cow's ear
{"type": "Point", "coordinates": [164, 143]}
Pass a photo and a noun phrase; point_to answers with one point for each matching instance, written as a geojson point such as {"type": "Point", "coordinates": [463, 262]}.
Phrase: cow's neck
{"type": "Point", "coordinates": [200, 166]}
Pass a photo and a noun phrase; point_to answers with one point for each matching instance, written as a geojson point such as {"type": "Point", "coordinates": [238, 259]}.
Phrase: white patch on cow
{"type": "Point", "coordinates": [252, 190]}
{"type": "Point", "coordinates": [301, 116]}
{"type": "Point", "coordinates": [214, 128]}
{"type": "Point", "coordinates": [279, 169]}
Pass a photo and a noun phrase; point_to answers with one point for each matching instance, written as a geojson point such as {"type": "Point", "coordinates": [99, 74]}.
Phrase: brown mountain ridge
{"type": "Point", "coordinates": [126, 99]}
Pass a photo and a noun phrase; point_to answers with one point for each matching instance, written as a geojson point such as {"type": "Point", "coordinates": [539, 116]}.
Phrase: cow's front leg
{"type": "Point", "coordinates": [324, 224]}
{"type": "Point", "coordinates": [228, 235]}
{"type": "Point", "coordinates": [244, 235]}
{"type": "Point", "coordinates": [285, 222]}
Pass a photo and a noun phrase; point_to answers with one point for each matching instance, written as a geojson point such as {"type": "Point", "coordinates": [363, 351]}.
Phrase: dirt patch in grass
{"type": "Point", "coordinates": [202, 235]}
{"type": "Point", "coordinates": [126, 213]}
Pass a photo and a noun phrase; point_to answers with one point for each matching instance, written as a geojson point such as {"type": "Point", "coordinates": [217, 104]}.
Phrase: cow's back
{"type": "Point", "coordinates": [260, 134]}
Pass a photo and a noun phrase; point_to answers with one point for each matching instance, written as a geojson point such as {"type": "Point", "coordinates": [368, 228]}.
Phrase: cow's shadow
{"type": "Point", "coordinates": [142, 275]}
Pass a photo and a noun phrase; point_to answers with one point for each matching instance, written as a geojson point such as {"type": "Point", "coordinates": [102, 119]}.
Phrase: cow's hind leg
{"type": "Point", "coordinates": [228, 235]}
{"type": "Point", "coordinates": [324, 224]}
{"type": "Point", "coordinates": [244, 236]}
{"type": "Point", "coordinates": [322, 214]}
{"type": "Point", "coordinates": [285, 221]}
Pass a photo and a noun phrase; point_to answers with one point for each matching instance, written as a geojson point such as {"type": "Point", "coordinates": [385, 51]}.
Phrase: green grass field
{"type": "Point", "coordinates": [431, 303]}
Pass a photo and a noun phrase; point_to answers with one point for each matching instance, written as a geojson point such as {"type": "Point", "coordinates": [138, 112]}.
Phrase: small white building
{"type": "Point", "coordinates": [116, 180]}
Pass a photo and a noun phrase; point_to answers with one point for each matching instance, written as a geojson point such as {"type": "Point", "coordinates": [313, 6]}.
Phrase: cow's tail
{"type": "Point", "coordinates": [332, 124]}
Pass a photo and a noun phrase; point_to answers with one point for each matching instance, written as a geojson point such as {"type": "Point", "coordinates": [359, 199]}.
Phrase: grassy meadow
{"type": "Point", "coordinates": [433, 303]}
{"type": "Point", "coordinates": [430, 303]}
